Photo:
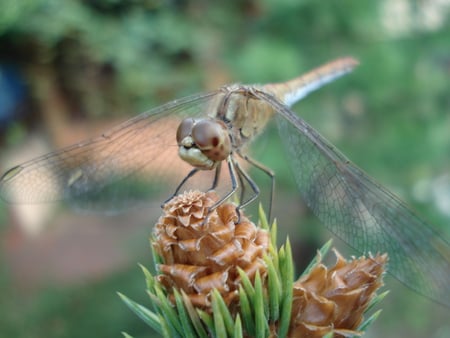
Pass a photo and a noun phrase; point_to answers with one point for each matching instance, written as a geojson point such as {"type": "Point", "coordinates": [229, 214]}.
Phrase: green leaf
{"type": "Point", "coordinates": [126, 335]}
{"type": "Point", "coordinates": [142, 312]}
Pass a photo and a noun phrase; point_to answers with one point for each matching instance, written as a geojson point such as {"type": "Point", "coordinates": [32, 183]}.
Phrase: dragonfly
{"type": "Point", "coordinates": [198, 133]}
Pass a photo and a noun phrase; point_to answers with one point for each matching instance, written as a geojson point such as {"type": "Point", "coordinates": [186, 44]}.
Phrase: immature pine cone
{"type": "Point", "coordinates": [334, 300]}
{"type": "Point", "coordinates": [201, 250]}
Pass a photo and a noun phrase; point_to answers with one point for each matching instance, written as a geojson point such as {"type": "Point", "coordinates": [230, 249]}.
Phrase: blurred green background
{"type": "Point", "coordinates": [70, 69]}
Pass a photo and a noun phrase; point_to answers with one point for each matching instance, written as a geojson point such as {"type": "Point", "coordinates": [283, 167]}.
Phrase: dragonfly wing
{"type": "Point", "coordinates": [362, 212]}
{"type": "Point", "coordinates": [125, 165]}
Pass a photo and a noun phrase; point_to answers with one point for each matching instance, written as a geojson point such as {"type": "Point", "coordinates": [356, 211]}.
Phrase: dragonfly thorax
{"type": "Point", "coordinates": [203, 143]}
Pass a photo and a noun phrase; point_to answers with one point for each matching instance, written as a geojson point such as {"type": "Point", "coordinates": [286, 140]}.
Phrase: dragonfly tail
{"type": "Point", "coordinates": [296, 89]}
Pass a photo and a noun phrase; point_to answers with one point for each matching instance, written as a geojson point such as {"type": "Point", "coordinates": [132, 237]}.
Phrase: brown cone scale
{"type": "Point", "coordinates": [202, 250]}
{"type": "Point", "coordinates": [334, 300]}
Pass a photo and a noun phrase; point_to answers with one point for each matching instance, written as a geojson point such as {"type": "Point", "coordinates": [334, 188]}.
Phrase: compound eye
{"type": "Point", "coordinates": [208, 134]}
{"type": "Point", "coordinates": [185, 129]}
{"type": "Point", "coordinates": [212, 138]}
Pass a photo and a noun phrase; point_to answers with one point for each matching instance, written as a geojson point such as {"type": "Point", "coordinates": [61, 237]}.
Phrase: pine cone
{"type": "Point", "coordinates": [334, 300]}
{"type": "Point", "coordinates": [201, 250]}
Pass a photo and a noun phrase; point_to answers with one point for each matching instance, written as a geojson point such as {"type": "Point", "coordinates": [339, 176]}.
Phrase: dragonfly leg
{"type": "Point", "coordinates": [234, 183]}
{"type": "Point", "coordinates": [241, 183]}
{"type": "Point", "coordinates": [216, 177]}
{"type": "Point", "coordinates": [185, 179]}
{"type": "Point", "coordinates": [243, 175]}
{"type": "Point", "coordinates": [265, 170]}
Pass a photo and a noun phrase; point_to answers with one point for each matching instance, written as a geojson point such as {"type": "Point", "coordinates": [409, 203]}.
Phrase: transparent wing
{"type": "Point", "coordinates": [127, 164]}
{"type": "Point", "coordinates": [363, 213]}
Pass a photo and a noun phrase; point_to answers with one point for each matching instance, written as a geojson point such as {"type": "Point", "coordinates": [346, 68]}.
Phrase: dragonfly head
{"type": "Point", "coordinates": [203, 143]}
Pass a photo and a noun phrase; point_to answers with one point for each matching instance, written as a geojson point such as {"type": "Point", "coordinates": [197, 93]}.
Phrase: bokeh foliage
{"type": "Point", "coordinates": [117, 57]}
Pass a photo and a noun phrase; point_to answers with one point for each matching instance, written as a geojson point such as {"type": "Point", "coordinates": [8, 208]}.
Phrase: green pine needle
{"type": "Point", "coordinates": [169, 313]}
{"type": "Point", "coordinates": [258, 303]}
{"type": "Point", "coordinates": [157, 259]}
{"type": "Point", "coordinates": [377, 299]}
{"type": "Point", "coordinates": [238, 332]}
{"type": "Point", "coordinates": [247, 284]}
{"type": "Point", "coordinates": [274, 288]}
{"type": "Point", "coordinates": [193, 315]}
{"type": "Point", "coordinates": [167, 333]}
{"type": "Point", "coordinates": [316, 260]}
{"type": "Point", "coordinates": [207, 319]}
{"type": "Point", "coordinates": [219, 322]}
{"type": "Point", "coordinates": [150, 318]}
{"type": "Point", "coordinates": [263, 223]}
{"type": "Point", "coordinates": [246, 312]}
{"type": "Point", "coordinates": [218, 301]}
{"type": "Point", "coordinates": [150, 281]}
{"type": "Point", "coordinates": [186, 322]}
{"type": "Point", "coordinates": [287, 272]}
{"type": "Point", "coordinates": [369, 321]}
